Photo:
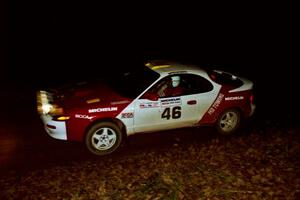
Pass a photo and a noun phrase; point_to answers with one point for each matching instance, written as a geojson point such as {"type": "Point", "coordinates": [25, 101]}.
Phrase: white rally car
{"type": "Point", "coordinates": [158, 96]}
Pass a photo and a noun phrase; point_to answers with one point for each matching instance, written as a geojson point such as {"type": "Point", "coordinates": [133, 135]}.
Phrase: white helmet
{"type": "Point", "coordinates": [175, 81]}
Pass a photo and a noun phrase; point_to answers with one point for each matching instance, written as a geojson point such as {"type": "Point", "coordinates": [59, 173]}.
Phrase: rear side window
{"type": "Point", "coordinates": [196, 84]}
{"type": "Point", "coordinates": [224, 78]}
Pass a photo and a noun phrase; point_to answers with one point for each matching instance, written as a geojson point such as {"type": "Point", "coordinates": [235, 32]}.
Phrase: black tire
{"type": "Point", "coordinates": [103, 138]}
{"type": "Point", "coordinates": [228, 122]}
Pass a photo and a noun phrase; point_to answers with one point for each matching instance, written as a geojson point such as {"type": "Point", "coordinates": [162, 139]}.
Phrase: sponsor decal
{"type": "Point", "coordinates": [108, 109]}
{"type": "Point", "coordinates": [93, 100]}
{"type": "Point", "coordinates": [170, 101]}
{"type": "Point", "coordinates": [119, 102]}
{"type": "Point", "coordinates": [127, 115]}
{"type": "Point", "coordinates": [234, 98]}
{"type": "Point", "coordinates": [80, 116]}
{"type": "Point", "coordinates": [216, 104]}
{"type": "Point", "coordinates": [149, 105]}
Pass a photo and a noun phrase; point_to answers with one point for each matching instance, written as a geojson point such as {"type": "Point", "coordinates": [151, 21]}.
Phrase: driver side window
{"type": "Point", "coordinates": [169, 86]}
{"type": "Point", "coordinates": [179, 85]}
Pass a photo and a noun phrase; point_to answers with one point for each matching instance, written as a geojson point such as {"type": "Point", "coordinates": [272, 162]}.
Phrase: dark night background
{"type": "Point", "coordinates": [48, 43]}
{"type": "Point", "coordinates": [54, 42]}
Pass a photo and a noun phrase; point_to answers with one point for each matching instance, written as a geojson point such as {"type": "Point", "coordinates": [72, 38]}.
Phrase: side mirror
{"type": "Point", "coordinates": [150, 96]}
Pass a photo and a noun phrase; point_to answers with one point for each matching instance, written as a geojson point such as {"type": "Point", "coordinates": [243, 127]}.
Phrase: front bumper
{"type": "Point", "coordinates": [55, 129]}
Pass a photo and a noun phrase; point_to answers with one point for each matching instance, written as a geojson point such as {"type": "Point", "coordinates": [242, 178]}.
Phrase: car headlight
{"type": "Point", "coordinates": [46, 108]}
{"type": "Point", "coordinates": [50, 109]}
{"type": "Point", "coordinates": [45, 104]}
{"type": "Point", "coordinates": [56, 110]}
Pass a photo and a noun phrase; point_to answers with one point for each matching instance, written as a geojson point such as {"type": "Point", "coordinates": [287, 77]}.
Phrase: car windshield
{"type": "Point", "coordinates": [133, 83]}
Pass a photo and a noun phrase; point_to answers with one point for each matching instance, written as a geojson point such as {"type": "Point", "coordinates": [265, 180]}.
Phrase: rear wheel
{"type": "Point", "coordinates": [228, 122]}
{"type": "Point", "coordinates": [103, 138]}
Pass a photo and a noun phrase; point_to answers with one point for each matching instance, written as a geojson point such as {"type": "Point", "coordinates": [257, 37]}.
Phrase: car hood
{"type": "Point", "coordinates": [87, 94]}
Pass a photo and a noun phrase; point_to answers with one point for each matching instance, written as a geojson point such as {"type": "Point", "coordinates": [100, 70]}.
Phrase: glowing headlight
{"type": "Point", "coordinates": [45, 104]}
{"type": "Point", "coordinates": [56, 110]}
{"type": "Point", "coordinates": [46, 108]}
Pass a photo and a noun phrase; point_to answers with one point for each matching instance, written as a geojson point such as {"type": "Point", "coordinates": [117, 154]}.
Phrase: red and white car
{"type": "Point", "coordinates": [159, 96]}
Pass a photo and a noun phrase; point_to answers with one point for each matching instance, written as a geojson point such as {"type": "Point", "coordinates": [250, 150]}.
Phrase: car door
{"type": "Point", "coordinates": [154, 112]}
{"type": "Point", "coordinates": [146, 115]}
{"type": "Point", "coordinates": [161, 114]}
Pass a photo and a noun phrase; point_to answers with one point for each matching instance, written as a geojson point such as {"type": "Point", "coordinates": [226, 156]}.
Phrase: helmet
{"type": "Point", "coordinates": [175, 81]}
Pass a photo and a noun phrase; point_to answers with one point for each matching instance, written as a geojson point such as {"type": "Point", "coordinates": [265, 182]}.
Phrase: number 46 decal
{"type": "Point", "coordinates": [175, 113]}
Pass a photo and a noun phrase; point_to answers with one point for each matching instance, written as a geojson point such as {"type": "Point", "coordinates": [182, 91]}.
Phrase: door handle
{"type": "Point", "coordinates": [192, 102]}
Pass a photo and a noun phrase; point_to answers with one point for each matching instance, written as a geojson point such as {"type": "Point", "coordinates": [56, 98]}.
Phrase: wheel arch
{"type": "Point", "coordinates": [116, 121]}
{"type": "Point", "coordinates": [238, 125]}
{"type": "Point", "coordinates": [239, 109]}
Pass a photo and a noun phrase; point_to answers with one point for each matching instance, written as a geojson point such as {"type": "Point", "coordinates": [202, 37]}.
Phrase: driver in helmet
{"type": "Point", "coordinates": [175, 81]}
{"type": "Point", "coordinates": [172, 88]}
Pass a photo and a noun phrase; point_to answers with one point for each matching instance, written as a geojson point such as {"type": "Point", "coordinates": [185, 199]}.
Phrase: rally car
{"type": "Point", "coordinates": [160, 95]}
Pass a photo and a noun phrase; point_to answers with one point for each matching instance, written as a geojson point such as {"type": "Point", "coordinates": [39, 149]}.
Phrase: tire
{"type": "Point", "coordinates": [228, 121]}
{"type": "Point", "coordinates": [103, 138]}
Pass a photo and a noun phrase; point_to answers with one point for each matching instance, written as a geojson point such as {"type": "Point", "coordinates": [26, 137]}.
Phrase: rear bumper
{"type": "Point", "coordinates": [253, 107]}
{"type": "Point", "coordinates": [55, 129]}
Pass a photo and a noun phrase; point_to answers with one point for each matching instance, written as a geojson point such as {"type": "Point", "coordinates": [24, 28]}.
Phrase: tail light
{"type": "Point", "coordinates": [251, 98]}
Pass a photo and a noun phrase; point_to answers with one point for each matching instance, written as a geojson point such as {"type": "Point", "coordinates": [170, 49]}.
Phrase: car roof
{"type": "Point", "coordinates": [164, 67]}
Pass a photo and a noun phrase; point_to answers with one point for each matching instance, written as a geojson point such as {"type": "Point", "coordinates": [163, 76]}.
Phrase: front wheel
{"type": "Point", "coordinates": [228, 122]}
{"type": "Point", "coordinates": [103, 138]}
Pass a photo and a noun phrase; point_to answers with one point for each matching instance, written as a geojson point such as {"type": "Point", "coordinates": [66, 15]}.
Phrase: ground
{"type": "Point", "coordinates": [261, 161]}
